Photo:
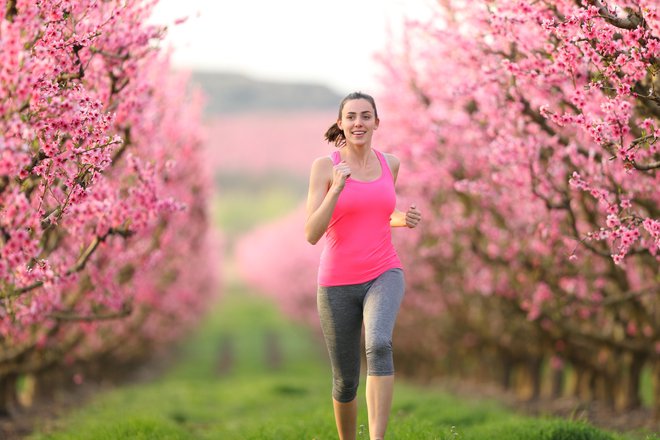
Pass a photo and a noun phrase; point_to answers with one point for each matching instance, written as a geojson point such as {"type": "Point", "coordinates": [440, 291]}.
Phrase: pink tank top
{"type": "Point", "coordinates": [358, 245]}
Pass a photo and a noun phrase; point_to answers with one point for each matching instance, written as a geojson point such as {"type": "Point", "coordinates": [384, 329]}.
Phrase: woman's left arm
{"type": "Point", "coordinates": [398, 218]}
{"type": "Point", "coordinates": [410, 218]}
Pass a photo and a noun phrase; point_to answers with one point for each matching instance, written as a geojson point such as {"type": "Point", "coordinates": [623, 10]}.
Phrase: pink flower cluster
{"type": "Point", "coordinates": [104, 241]}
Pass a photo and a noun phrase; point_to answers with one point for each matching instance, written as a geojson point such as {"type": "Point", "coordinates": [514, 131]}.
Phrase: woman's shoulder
{"type": "Point", "coordinates": [323, 161]}
{"type": "Point", "coordinates": [322, 165]}
{"type": "Point", "coordinates": [392, 160]}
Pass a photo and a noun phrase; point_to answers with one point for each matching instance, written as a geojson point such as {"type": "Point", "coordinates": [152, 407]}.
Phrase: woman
{"type": "Point", "coordinates": [352, 200]}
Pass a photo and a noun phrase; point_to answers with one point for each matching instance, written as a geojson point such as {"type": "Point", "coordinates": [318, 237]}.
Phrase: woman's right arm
{"type": "Point", "coordinates": [325, 184]}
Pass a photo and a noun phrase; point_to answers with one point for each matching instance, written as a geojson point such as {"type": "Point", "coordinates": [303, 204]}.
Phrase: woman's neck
{"type": "Point", "coordinates": [359, 153]}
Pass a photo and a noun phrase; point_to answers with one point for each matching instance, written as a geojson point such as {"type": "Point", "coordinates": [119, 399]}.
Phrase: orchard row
{"type": "Point", "coordinates": [105, 252]}
{"type": "Point", "coordinates": [528, 134]}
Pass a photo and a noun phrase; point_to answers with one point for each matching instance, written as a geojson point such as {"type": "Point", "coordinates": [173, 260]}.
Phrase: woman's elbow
{"type": "Point", "coordinates": [312, 240]}
{"type": "Point", "coordinates": [311, 237]}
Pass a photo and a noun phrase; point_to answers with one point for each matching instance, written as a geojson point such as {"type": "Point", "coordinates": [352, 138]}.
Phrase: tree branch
{"type": "Point", "coordinates": [549, 204]}
{"type": "Point", "coordinates": [573, 225]}
{"type": "Point", "coordinates": [614, 301]}
{"type": "Point", "coordinates": [609, 147]}
{"type": "Point", "coordinates": [11, 11]}
{"type": "Point", "coordinates": [631, 21]}
{"type": "Point", "coordinates": [80, 264]}
{"type": "Point", "coordinates": [125, 311]}
{"type": "Point", "coordinates": [646, 166]}
{"type": "Point", "coordinates": [4, 183]}
{"type": "Point", "coordinates": [541, 121]}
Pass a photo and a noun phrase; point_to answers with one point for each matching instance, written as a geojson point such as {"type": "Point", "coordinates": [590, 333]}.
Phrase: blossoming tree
{"type": "Point", "coordinates": [104, 245]}
{"type": "Point", "coordinates": [532, 128]}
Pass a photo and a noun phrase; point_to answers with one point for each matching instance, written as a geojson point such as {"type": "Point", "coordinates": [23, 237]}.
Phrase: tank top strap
{"type": "Point", "coordinates": [383, 164]}
{"type": "Point", "coordinates": [336, 157]}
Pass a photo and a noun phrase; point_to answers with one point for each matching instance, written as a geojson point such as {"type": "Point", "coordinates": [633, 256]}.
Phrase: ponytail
{"type": "Point", "coordinates": [335, 135]}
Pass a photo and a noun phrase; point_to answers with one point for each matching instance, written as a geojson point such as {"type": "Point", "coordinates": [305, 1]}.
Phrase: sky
{"type": "Point", "coordinates": [331, 42]}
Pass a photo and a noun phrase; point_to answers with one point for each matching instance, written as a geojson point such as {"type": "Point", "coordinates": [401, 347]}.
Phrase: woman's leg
{"type": "Point", "coordinates": [380, 390]}
{"type": "Point", "coordinates": [340, 314]}
{"type": "Point", "coordinates": [381, 305]}
{"type": "Point", "coordinates": [346, 419]}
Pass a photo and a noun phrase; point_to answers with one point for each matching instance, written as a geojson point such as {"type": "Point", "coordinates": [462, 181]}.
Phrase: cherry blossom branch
{"type": "Point", "coordinates": [541, 121]}
{"type": "Point", "coordinates": [4, 183]}
{"type": "Point", "coordinates": [77, 267]}
{"type": "Point", "coordinates": [573, 331]}
{"type": "Point", "coordinates": [11, 10]}
{"type": "Point", "coordinates": [80, 74]}
{"type": "Point", "coordinates": [609, 147]}
{"type": "Point", "coordinates": [117, 56]}
{"type": "Point", "coordinates": [423, 97]}
{"type": "Point", "coordinates": [647, 98]}
{"type": "Point", "coordinates": [613, 301]}
{"type": "Point", "coordinates": [646, 166]}
{"type": "Point", "coordinates": [8, 353]}
{"type": "Point", "coordinates": [554, 9]}
{"type": "Point", "coordinates": [33, 359]}
{"type": "Point", "coordinates": [584, 241]}
{"type": "Point", "coordinates": [125, 311]}
{"type": "Point", "coordinates": [630, 22]}
{"type": "Point", "coordinates": [127, 140]}
{"type": "Point", "coordinates": [562, 205]}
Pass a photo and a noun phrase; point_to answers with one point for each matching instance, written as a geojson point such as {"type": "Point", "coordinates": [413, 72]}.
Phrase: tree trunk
{"type": "Point", "coordinates": [48, 382]}
{"type": "Point", "coordinates": [632, 398]}
{"type": "Point", "coordinates": [528, 380]}
{"type": "Point", "coordinates": [8, 395]}
{"type": "Point", "coordinates": [583, 384]}
{"type": "Point", "coordinates": [602, 387]}
{"type": "Point", "coordinates": [507, 372]}
{"type": "Point", "coordinates": [534, 365]}
{"type": "Point", "coordinates": [557, 378]}
{"type": "Point", "coordinates": [27, 394]}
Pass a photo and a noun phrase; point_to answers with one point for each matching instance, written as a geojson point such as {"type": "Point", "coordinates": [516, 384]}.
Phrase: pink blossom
{"type": "Point", "coordinates": [68, 189]}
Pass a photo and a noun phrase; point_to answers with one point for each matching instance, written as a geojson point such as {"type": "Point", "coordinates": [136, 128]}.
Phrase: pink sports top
{"type": "Point", "coordinates": [358, 246]}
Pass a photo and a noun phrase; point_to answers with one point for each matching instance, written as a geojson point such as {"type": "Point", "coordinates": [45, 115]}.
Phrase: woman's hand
{"type": "Point", "coordinates": [410, 218]}
{"type": "Point", "coordinates": [341, 172]}
{"type": "Point", "coordinates": [326, 183]}
{"type": "Point", "coordinates": [413, 216]}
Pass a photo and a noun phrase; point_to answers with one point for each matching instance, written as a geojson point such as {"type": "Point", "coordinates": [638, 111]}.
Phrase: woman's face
{"type": "Point", "coordinates": [358, 121]}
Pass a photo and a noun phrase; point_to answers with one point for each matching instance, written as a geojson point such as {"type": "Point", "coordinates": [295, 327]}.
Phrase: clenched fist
{"type": "Point", "coordinates": [413, 216]}
{"type": "Point", "coordinates": [341, 172]}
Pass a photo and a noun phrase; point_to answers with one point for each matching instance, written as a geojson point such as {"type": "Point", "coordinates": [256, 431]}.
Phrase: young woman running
{"type": "Point", "coordinates": [352, 201]}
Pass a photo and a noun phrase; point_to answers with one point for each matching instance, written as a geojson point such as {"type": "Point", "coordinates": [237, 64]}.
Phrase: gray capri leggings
{"type": "Point", "coordinates": [342, 310]}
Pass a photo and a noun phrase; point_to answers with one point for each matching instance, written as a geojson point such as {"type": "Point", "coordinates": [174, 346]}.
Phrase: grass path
{"type": "Point", "coordinates": [228, 385]}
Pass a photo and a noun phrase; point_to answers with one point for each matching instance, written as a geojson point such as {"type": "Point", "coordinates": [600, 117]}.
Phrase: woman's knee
{"type": "Point", "coordinates": [379, 357]}
{"type": "Point", "coordinates": [345, 389]}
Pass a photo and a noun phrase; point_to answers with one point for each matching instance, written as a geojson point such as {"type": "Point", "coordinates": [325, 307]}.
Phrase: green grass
{"type": "Point", "coordinates": [254, 401]}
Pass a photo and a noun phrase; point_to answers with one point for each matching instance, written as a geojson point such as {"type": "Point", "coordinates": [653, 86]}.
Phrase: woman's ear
{"type": "Point", "coordinates": [377, 123]}
{"type": "Point", "coordinates": [339, 124]}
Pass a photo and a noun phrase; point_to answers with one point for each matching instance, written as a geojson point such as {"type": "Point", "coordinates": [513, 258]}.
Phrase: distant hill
{"type": "Point", "coordinates": [229, 93]}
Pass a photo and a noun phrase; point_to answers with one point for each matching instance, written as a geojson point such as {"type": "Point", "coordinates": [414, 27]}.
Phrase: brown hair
{"type": "Point", "coordinates": [336, 134]}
